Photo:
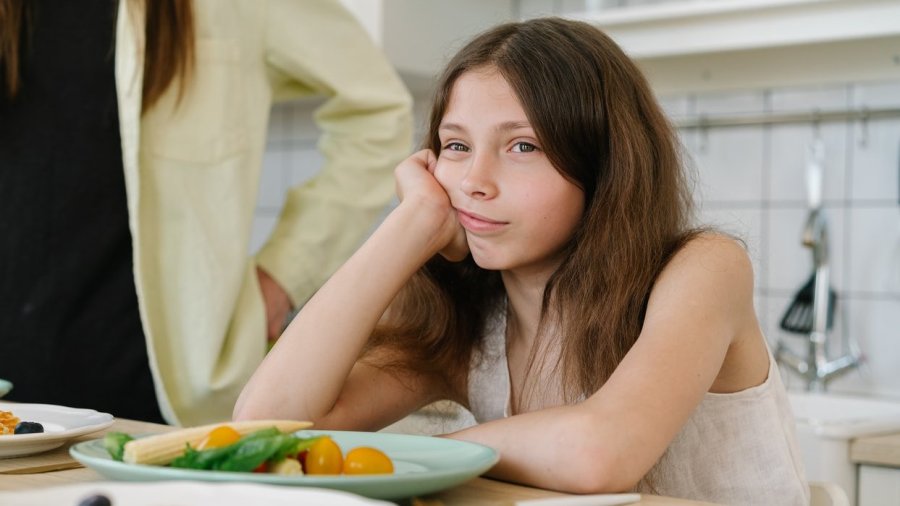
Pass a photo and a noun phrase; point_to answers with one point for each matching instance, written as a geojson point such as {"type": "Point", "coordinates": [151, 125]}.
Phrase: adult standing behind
{"type": "Point", "coordinates": [131, 140]}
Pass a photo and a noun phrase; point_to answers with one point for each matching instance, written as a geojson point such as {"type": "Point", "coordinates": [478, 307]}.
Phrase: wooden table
{"type": "Point", "coordinates": [480, 491]}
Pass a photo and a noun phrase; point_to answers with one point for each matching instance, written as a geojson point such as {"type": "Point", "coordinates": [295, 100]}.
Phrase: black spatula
{"type": "Point", "coordinates": [799, 316]}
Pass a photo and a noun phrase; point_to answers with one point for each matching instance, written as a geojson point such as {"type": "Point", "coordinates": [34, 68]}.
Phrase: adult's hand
{"type": "Point", "coordinates": [278, 304]}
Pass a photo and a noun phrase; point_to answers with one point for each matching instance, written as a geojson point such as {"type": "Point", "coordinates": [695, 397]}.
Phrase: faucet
{"type": "Point", "coordinates": [816, 368]}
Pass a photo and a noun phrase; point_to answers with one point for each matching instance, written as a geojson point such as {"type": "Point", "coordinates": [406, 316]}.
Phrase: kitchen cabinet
{"type": "Point", "coordinates": [878, 459]}
{"type": "Point", "coordinates": [879, 486]}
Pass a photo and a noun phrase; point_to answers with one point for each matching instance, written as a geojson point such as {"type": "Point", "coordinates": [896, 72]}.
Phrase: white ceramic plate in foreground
{"type": "Point", "coordinates": [422, 465]}
{"type": "Point", "coordinates": [60, 424]}
{"type": "Point", "coordinates": [5, 387]}
{"type": "Point", "coordinates": [185, 493]}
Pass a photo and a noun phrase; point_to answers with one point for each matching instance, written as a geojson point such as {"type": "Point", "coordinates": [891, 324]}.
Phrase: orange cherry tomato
{"type": "Point", "coordinates": [219, 437]}
{"type": "Point", "coordinates": [365, 460]}
{"type": "Point", "coordinates": [324, 457]}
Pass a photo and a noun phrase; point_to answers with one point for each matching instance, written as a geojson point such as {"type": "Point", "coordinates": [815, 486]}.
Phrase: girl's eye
{"type": "Point", "coordinates": [524, 147]}
{"type": "Point", "coordinates": [455, 146]}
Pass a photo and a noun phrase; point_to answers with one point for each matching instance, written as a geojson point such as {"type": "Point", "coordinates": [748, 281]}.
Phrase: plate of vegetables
{"type": "Point", "coordinates": [26, 429]}
{"type": "Point", "coordinates": [372, 464]}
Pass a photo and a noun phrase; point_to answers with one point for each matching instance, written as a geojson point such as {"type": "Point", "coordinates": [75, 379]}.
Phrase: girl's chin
{"type": "Point", "coordinates": [489, 262]}
{"type": "Point", "coordinates": [493, 255]}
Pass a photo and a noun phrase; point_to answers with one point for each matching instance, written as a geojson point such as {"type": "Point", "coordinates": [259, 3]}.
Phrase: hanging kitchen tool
{"type": "Point", "coordinates": [800, 314]}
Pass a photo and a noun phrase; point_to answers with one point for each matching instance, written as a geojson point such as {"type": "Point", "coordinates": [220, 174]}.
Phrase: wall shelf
{"type": "Point", "coordinates": [701, 45]}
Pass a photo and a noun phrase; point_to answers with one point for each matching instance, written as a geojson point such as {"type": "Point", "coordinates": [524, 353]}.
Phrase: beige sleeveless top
{"type": "Point", "coordinates": [736, 449]}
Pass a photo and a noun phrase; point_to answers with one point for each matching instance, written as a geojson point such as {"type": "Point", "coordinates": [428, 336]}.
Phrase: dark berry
{"type": "Point", "coordinates": [95, 500]}
{"type": "Point", "coordinates": [29, 428]}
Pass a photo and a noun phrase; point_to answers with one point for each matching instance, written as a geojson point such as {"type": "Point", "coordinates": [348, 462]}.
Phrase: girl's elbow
{"type": "Point", "coordinates": [599, 465]}
{"type": "Point", "coordinates": [245, 411]}
{"type": "Point", "coordinates": [595, 475]}
{"type": "Point", "coordinates": [253, 407]}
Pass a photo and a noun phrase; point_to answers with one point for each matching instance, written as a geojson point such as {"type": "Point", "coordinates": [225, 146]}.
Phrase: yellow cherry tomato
{"type": "Point", "coordinates": [365, 460]}
{"type": "Point", "coordinates": [324, 457]}
{"type": "Point", "coordinates": [219, 437]}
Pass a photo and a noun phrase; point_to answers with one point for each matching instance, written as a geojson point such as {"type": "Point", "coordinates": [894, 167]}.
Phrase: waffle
{"type": "Point", "coordinates": [8, 422]}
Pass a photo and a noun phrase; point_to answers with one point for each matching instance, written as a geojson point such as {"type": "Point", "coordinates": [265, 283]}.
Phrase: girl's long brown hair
{"type": "Point", "coordinates": [169, 56]}
{"type": "Point", "coordinates": [600, 126]}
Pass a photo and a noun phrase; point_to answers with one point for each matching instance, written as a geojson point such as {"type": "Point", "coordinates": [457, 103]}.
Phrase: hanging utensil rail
{"type": "Point", "coordinates": [702, 121]}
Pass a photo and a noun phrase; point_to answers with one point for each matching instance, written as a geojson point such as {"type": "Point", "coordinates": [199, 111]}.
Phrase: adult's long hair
{"type": "Point", "coordinates": [168, 57]}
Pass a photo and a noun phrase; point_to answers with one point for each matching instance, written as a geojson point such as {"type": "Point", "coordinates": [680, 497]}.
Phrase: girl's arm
{"type": "Point", "coordinates": [700, 316]}
{"type": "Point", "coordinates": [312, 372]}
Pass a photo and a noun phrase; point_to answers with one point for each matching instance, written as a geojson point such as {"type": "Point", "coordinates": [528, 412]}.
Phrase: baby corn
{"type": "Point", "coordinates": [162, 449]}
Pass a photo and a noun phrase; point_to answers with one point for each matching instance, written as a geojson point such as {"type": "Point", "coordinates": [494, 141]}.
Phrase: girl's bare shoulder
{"type": "Point", "coordinates": [711, 266]}
{"type": "Point", "coordinates": [713, 252]}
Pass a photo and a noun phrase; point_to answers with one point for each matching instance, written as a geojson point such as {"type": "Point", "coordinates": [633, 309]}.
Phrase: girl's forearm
{"type": "Point", "coordinates": [566, 448]}
{"type": "Point", "coordinates": [303, 375]}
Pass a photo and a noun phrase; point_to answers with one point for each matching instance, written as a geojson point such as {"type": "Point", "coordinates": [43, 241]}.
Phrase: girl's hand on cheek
{"type": "Point", "coordinates": [418, 188]}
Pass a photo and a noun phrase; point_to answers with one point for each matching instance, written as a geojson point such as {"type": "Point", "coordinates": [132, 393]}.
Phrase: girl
{"type": "Point", "coordinates": [540, 271]}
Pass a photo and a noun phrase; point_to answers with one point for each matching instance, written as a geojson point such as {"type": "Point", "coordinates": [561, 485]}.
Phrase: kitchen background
{"type": "Point", "coordinates": [750, 179]}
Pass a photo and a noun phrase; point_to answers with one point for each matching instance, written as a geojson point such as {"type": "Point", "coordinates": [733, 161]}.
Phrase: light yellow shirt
{"type": "Point", "coordinates": [192, 169]}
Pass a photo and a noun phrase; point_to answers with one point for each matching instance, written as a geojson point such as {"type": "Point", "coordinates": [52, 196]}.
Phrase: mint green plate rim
{"type": "Point", "coordinates": [423, 465]}
{"type": "Point", "coordinates": [5, 387]}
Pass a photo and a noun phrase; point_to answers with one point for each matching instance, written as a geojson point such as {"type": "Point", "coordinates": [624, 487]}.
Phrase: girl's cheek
{"type": "Point", "coordinates": [443, 174]}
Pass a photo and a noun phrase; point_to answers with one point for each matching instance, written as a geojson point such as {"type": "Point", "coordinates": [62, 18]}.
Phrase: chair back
{"type": "Point", "coordinates": [822, 493]}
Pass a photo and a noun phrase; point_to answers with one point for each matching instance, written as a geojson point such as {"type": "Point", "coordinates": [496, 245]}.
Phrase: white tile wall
{"type": "Point", "coordinates": [290, 159]}
{"type": "Point", "coordinates": [875, 160]}
{"type": "Point", "coordinates": [752, 183]}
{"type": "Point", "coordinates": [875, 251]}
{"type": "Point", "coordinates": [730, 164]}
{"type": "Point", "coordinates": [274, 179]}
{"type": "Point", "coordinates": [788, 158]}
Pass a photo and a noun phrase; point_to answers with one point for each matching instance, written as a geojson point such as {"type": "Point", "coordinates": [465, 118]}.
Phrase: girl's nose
{"type": "Point", "coordinates": [478, 182]}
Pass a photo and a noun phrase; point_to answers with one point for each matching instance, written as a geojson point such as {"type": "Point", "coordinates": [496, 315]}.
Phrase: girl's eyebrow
{"type": "Point", "coordinates": [513, 125]}
{"type": "Point", "coordinates": [502, 127]}
{"type": "Point", "coordinates": [451, 126]}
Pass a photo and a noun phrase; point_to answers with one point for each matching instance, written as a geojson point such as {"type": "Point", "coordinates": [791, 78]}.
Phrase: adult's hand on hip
{"type": "Point", "coordinates": [278, 304]}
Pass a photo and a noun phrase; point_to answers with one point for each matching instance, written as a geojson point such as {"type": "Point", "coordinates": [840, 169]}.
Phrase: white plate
{"type": "Point", "coordinates": [5, 387]}
{"type": "Point", "coordinates": [60, 424]}
{"type": "Point", "coordinates": [186, 493]}
{"type": "Point", "coordinates": [422, 465]}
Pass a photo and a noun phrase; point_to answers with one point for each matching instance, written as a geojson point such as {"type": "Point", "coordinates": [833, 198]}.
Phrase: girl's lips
{"type": "Point", "coordinates": [475, 223]}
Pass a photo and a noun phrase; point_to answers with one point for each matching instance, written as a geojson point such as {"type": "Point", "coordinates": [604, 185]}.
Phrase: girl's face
{"type": "Point", "coordinates": [517, 210]}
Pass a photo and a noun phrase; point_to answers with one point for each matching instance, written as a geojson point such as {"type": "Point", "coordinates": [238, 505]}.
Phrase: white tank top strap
{"type": "Point", "coordinates": [488, 385]}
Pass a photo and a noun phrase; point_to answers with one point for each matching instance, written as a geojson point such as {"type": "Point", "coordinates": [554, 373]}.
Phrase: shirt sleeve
{"type": "Point", "coordinates": [316, 47]}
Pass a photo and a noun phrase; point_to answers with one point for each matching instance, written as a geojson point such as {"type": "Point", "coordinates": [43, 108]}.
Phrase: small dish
{"type": "Point", "coordinates": [60, 423]}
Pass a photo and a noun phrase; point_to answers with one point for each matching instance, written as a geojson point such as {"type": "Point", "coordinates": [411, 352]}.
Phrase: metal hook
{"type": "Point", "coordinates": [864, 128]}
{"type": "Point", "coordinates": [817, 125]}
{"type": "Point", "coordinates": [815, 167]}
{"type": "Point", "coordinates": [703, 123]}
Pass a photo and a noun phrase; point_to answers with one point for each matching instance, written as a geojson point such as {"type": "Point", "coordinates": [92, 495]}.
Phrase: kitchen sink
{"type": "Point", "coordinates": [826, 425]}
